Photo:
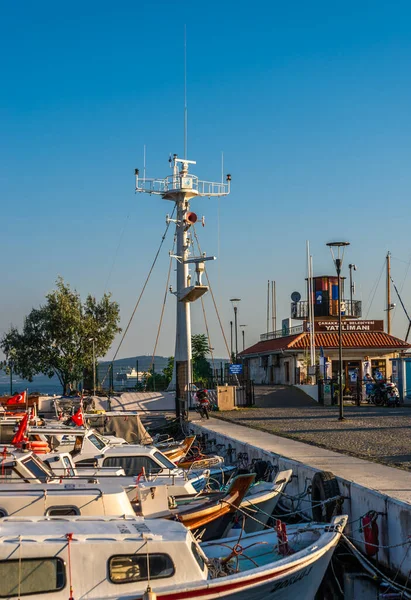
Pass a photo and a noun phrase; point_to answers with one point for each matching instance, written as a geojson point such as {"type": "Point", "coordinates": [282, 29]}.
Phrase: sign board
{"type": "Point", "coordinates": [350, 325]}
{"type": "Point", "coordinates": [235, 369]}
{"type": "Point", "coordinates": [285, 326]}
{"type": "Point", "coordinates": [312, 370]}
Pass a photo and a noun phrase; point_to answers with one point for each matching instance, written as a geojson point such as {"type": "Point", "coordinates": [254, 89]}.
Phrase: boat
{"type": "Point", "coordinates": [66, 497]}
{"type": "Point", "coordinates": [125, 558]}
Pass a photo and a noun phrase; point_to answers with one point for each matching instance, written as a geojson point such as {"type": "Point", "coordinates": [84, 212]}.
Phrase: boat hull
{"type": "Point", "coordinates": [300, 581]}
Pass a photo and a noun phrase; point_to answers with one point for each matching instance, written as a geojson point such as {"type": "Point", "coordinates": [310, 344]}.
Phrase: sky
{"type": "Point", "coordinates": [308, 102]}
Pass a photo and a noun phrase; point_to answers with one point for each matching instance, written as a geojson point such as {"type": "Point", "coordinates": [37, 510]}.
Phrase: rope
{"type": "Point", "coordinates": [69, 537]}
{"type": "Point", "coordinates": [161, 315]}
{"type": "Point", "coordinates": [373, 569]}
{"type": "Point", "coordinates": [212, 296]}
{"type": "Point", "coordinates": [208, 334]}
{"type": "Point", "coordinates": [142, 291]}
{"type": "Point", "coordinates": [375, 290]}
{"type": "Point", "coordinates": [116, 252]}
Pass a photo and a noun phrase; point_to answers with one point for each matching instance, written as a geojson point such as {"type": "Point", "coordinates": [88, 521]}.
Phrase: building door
{"type": "Point", "coordinates": [287, 371]}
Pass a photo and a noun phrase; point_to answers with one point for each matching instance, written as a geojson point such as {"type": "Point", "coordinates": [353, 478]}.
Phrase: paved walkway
{"type": "Point", "coordinates": [374, 433]}
{"type": "Point", "coordinates": [393, 482]}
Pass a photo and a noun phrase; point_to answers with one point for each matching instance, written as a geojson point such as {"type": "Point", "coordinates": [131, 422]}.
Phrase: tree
{"type": "Point", "coordinates": [168, 370]}
{"type": "Point", "coordinates": [200, 349]}
{"type": "Point", "coordinates": [56, 338]}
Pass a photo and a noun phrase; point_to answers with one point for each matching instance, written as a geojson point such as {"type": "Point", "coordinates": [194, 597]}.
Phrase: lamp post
{"type": "Point", "coordinates": [352, 286]}
{"type": "Point", "coordinates": [243, 333]}
{"type": "Point", "coordinates": [94, 365]}
{"type": "Point", "coordinates": [231, 340]}
{"type": "Point", "coordinates": [234, 302]}
{"type": "Point", "coordinates": [339, 248]}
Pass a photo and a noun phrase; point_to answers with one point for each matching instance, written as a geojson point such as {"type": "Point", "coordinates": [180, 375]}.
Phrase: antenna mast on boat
{"type": "Point", "coordinates": [180, 188]}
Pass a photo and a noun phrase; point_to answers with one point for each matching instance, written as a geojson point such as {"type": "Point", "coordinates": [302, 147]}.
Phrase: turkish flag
{"type": "Point", "coordinates": [19, 436]}
{"type": "Point", "coordinates": [17, 399]}
{"type": "Point", "coordinates": [78, 417]}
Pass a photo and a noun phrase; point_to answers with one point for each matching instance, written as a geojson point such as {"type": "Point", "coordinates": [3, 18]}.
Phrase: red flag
{"type": "Point", "coordinates": [17, 399]}
{"type": "Point", "coordinates": [19, 436]}
{"type": "Point", "coordinates": [78, 417]}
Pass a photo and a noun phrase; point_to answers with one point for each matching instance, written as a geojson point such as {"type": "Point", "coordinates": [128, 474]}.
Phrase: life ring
{"type": "Point", "coordinates": [324, 486]}
{"type": "Point", "coordinates": [40, 447]}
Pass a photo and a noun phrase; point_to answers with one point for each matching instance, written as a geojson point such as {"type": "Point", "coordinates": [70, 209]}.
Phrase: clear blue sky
{"type": "Point", "coordinates": [310, 103]}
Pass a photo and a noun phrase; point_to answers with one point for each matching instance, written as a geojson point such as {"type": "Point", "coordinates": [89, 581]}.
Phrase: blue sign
{"type": "Point", "coordinates": [235, 369]}
{"type": "Point", "coordinates": [319, 297]}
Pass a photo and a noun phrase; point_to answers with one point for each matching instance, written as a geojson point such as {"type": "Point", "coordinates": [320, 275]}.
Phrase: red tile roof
{"type": "Point", "coordinates": [329, 340]}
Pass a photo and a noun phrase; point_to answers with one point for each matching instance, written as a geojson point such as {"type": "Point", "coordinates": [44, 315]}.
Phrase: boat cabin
{"type": "Point", "coordinates": [119, 556]}
{"type": "Point", "coordinates": [63, 499]}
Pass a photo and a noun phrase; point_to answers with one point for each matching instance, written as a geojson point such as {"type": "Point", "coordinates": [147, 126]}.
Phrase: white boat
{"type": "Point", "coordinates": [67, 497]}
{"type": "Point", "coordinates": [110, 558]}
{"type": "Point", "coordinates": [261, 499]}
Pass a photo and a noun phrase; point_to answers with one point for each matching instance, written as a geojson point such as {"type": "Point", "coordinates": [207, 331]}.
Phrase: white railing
{"type": "Point", "coordinates": [186, 182]}
{"type": "Point", "coordinates": [272, 335]}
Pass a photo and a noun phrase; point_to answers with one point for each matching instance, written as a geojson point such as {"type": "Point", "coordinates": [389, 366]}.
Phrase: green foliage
{"type": "Point", "coordinates": [55, 339]}
{"type": "Point", "coordinates": [168, 370]}
{"type": "Point", "coordinates": [200, 346]}
{"type": "Point", "coordinates": [200, 349]}
{"type": "Point", "coordinates": [155, 381]}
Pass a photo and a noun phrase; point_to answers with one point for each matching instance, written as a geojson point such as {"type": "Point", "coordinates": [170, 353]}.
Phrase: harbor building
{"type": "Point", "coordinates": [283, 356]}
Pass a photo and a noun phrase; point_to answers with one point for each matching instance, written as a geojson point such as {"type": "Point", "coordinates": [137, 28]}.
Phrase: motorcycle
{"type": "Point", "coordinates": [385, 393]}
{"type": "Point", "coordinates": [203, 403]}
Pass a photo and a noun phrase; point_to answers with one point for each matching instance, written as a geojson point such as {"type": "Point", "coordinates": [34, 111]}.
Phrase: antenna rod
{"type": "Point", "coordinates": [144, 161]}
{"type": "Point", "coordinates": [268, 306]}
{"type": "Point", "coordinates": [388, 292]}
{"type": "Point", "coordinates": [185, 91]}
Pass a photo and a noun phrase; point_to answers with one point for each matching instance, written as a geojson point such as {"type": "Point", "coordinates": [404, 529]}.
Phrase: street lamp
{"type": "Point", "coordinates": [352, 286]}
{"type": "Point", "coordinates": [243, 332]}
{"type": "Point", "coordinates": [337, 252]}
{"type": "Point", "coordinates": [234, 302]}
{"type": "Point", "coordinates": [94, 366]}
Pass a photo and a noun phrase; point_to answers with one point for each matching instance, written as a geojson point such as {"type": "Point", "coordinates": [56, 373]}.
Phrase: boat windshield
{"type": "Point", "coordinates": [164, 460]}
{"type": "Point", "coordinates": [97, 441]}
{"type": "Point", "coordinates": [38, 468]}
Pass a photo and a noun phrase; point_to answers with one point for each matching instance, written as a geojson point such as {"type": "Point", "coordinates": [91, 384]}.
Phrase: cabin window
{"type": "Point", "coordinates": [31, 576]}
{"type": "Point", "coordinates": [164, 460]}
{"type": "Point", "coordinates": [87, 462]}
{"type": "Point", "coordinates": [130, 568]}
{"type": "Point", "coordinates": [132, 465]}
{"type": "Point", "coordinates": [69, 468]}
{"type": "Point", "coordinates": [197, 555]}
{"type": "Point", "coordinates": [3, 513]}
{"type": "Point", "coordinates": [98, 443]}
{"type": "Point", "coordinates": [62, 511]}
{"type": "Point", "coordinates": [37, 469]}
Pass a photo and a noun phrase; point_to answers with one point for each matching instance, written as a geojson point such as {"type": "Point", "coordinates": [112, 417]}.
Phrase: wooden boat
{"type": "Point", "coordinates": [176, 453]}
{"type": "Point", "coordinates": [110, 558]}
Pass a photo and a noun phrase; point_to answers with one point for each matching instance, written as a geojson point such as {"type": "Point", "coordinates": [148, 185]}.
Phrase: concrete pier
{"type": "Point", "coordinates": [364, 485]}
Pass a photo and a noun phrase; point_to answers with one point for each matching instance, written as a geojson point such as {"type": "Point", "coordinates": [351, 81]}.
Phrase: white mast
{"type": "Point", "coordinates": [181, 187]}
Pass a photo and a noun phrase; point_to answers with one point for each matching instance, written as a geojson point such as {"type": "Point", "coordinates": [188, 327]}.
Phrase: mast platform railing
{"type": "Point", "coordinates": [182, 183]}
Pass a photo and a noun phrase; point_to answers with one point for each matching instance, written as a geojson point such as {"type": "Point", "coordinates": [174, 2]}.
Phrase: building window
{"type": "Point", "coordinates": [31, 576]}
{"type": "Point", "coordinates": [133, 567]}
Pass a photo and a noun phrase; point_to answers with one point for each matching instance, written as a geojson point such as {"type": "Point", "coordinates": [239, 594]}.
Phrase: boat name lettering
{"type": "Point", "coordinates": [141, 528]}
{"type": "Point", "coordinates": [290, 581]}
